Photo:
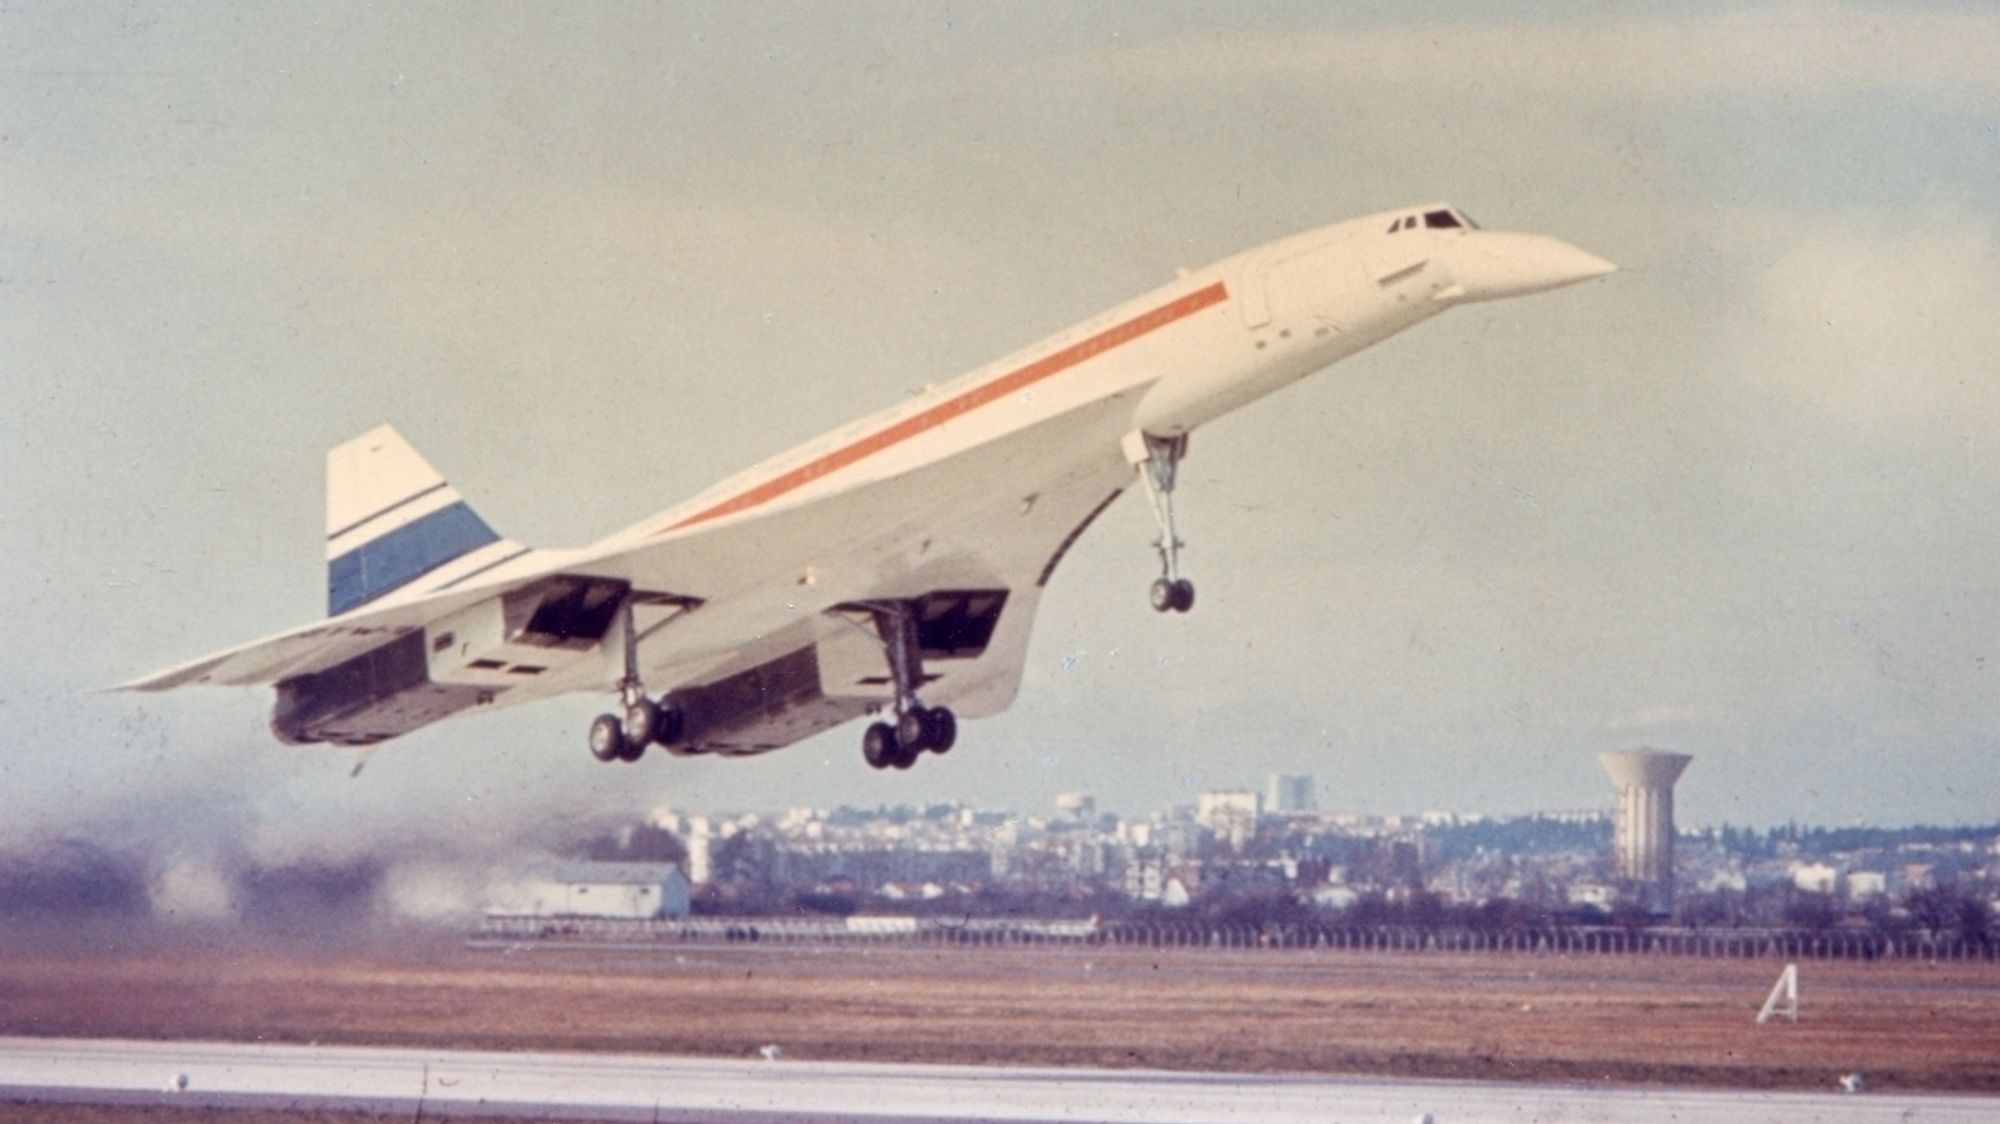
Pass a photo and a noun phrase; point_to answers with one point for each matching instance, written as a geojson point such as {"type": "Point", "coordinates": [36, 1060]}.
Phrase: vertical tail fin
{"type": "Point", "coordinates": [391, 519]}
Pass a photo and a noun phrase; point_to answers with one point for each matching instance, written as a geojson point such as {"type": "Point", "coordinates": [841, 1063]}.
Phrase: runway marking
{"type": "Point", "coordinates": [629, 1086]}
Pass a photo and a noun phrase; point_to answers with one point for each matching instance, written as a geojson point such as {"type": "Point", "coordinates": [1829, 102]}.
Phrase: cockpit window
{"type": "Point", "coordinates": [1442, 220]}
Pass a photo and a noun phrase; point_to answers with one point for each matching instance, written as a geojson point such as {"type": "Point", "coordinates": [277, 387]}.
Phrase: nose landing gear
{"type": "Point", "coordinates": [1174, 595]}
{"type": "Point", "coordinates": [1158, 460]}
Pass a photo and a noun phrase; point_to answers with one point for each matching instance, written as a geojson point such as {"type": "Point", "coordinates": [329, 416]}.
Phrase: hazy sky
{"type": "Point", "coordinates": [1736, 500]}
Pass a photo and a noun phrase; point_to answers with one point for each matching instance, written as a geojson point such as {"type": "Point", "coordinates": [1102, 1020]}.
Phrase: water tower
{"type": "Point", "coordinates": [1644, 827]}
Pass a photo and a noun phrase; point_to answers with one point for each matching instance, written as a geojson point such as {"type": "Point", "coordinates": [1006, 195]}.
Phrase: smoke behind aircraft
{"type": "Point", "coordinates": [185, 862]}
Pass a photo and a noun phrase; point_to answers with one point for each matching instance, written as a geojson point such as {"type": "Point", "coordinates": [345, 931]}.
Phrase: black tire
{"type": "Point", "coordinates": [607, 738]}
{"type": "Point", "coordinates": [642, 723]}
{"type": "Point", "coordinates": [673, 723]}
{"type": "Point", "coordinates": [906, 755]}
{"type": "Point", "coordinates": [1162, 595]}
{"type": "Point", "coordinates": [878, 746]}
{"type": "Point", "coordinates": [913, 729]}
{"type": "Point", "coordinates": [943, 731]}
{"type": "Point", "coordinates": [1183, 595]}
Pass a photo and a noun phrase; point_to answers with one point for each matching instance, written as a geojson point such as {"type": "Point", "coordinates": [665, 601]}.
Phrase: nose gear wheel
{"type": "Point", "coordinates": [1172, 595]}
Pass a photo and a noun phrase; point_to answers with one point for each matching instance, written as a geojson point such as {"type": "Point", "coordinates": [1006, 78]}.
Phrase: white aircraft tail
{"type": "Point", "coordinates": [392, 519]}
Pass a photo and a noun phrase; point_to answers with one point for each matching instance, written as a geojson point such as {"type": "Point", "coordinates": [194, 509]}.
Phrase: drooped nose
{"type": "Point", "coordinates": [1488, 265]}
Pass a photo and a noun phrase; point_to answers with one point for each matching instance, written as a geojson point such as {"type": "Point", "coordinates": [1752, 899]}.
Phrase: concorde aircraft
{"type": "Point", "coordinates": [891, 567]}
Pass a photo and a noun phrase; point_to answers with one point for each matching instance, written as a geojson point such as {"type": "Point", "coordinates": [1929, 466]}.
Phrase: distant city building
{"type": "Point", "coordinates": [1728, 878]}
{"type": "Point", "coordinates": [1179, 837]}
{"type": "Point", "coordinates": [1573, 816]}
{"type": "Point", "coordinates": [601, 889]}
{"type": "Point", "coordinates": [1591, 894]}
{"type": "Point", "coordinates": [1816, 878]}
{"type": "Point", "coordinates": [700, 850]}
{"type": "Point", "coordinates": [1643, 832]}
{"type": "Point", "coordinates": [1146, 876]}
{"type": "Point", "coordinates": [942, 852]}
{"type": "Point", "coordinates": [1231, 815]}
{"type": "Point", "coordinates": [1290, 794]}
{"type": "Point", "coordinates": [1134, 833]}
{"type": "Point", "coordinates": [1335, 897]}
{"type": "Point", "coordinates": [1076, 805]}
{"type": "Point", "coordinates": [1219, 809]}
{"type": "Point", "coordinates": [1865, 884]}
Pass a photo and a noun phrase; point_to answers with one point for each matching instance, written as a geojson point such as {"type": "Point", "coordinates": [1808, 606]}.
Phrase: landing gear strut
{"type": "Point", "coordinates": [1158, 460]}
{"type": "Point", "coordinates": [917, 727]}
{"type": "Point", "coordinates": [646, 722]}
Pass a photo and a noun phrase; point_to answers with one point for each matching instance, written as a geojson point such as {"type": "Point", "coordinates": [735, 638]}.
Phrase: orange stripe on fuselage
{"type": "Point", "coordinates": [1019, 379]}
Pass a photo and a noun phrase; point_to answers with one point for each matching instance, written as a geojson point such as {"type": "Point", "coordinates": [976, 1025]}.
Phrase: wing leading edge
{"type": "Point", "coordinates": [900, 554]}
{"type": "Point", "coordinates": [770, 585]}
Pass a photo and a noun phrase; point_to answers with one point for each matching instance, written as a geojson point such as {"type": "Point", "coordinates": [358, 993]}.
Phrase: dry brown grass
{"type": "Point", "coordinates": [1520, 1017]}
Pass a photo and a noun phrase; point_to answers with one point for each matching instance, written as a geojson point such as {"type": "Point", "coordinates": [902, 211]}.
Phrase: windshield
{"type": "Point", "coordinates": [1446, 218]}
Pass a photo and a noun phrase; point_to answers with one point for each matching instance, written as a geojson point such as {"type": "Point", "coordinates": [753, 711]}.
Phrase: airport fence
{"type": "Point", "coordinates": [1786, 945]}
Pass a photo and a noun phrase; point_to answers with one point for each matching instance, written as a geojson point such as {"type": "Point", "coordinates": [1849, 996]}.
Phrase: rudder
{"type": "Point", "coordinates": [391, 518]}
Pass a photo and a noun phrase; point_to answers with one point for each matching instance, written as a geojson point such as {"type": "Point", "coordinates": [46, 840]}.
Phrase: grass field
{"type": "Point", "coordinates": [1582, 1019]}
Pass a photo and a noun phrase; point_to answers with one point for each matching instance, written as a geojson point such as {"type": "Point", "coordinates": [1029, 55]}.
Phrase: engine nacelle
{"type": "Point", "coordinates": [841, 676]}
{"type": "Point", "coordinates": [460, 660]}
{"type": "Point", "coordinates": [377, 695]}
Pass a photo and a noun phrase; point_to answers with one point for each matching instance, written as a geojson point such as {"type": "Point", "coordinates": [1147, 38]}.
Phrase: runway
{"type": "Point", "coordinates": [781, 1091]}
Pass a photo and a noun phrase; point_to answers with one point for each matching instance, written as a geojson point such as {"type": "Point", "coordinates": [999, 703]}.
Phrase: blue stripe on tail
{"type": "Point", "coordinates": [403, 555]}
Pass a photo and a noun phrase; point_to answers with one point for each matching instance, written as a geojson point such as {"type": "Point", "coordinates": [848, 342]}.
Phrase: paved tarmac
{"type": "Point", "coordinates": [731, 1091]}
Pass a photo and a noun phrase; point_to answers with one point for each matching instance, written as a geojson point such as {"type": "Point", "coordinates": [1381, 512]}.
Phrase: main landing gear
{"type": "Point", "coordinates": [917, 727]}
{"type": "Point", "coordinates": [645, 721]}
{"type": "Point", "coordinates": [1158, 459]}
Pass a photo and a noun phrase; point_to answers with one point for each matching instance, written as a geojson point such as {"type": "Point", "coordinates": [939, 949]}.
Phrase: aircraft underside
{"type": "Point", "coordinates": [891, 568]}
{"type": "Point", "coordinates": [872, 656]}
{"type": "Point", "coordinates": [953, 628]}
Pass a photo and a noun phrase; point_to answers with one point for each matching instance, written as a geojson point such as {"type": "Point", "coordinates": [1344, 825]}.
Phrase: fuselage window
{"type": "Point", "coordinates": [1441, 220]}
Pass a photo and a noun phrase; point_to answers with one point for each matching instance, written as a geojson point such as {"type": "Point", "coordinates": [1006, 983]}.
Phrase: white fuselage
{"type": "Point", "coordinates": [765, 594]}
{"type": "Point", "coordinates": [1056, 423]}
{"type": "Point", "coordinates": [1213, 340]}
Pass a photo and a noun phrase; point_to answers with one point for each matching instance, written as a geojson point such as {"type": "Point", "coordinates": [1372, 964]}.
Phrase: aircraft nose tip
{"type": "Point", "coordinates": [1585, 265]}
{"type": "Point", "coordinates": [1548, 263]}
{"type": "Point", "coordinates": [1495, 265]}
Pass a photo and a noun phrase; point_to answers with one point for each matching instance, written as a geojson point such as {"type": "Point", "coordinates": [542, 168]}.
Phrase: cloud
{"type": "Point", "coordinates": [1663, 717]}
{"type": "Point", "coordinates": [1886, 326]}
{"type": "Point", "coordinates": [1807, 50]}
